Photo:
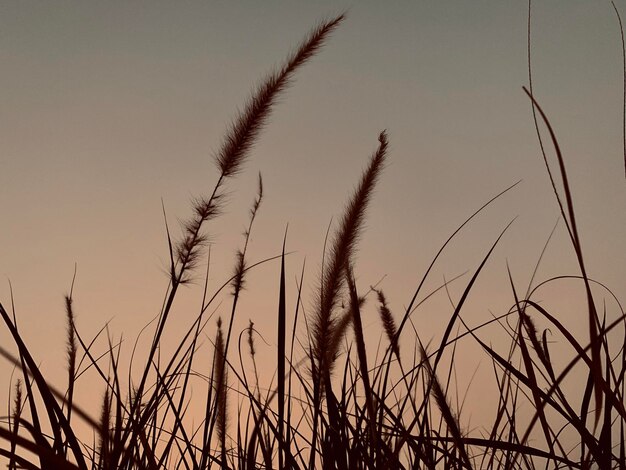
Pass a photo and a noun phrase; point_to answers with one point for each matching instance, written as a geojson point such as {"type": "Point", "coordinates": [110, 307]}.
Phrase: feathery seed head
{"type": "Point", "coordinates": [341, 252]}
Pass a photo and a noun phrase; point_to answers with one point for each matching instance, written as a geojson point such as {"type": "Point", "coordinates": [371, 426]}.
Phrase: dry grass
{"type": "Point", "coordinates": [331, 406]}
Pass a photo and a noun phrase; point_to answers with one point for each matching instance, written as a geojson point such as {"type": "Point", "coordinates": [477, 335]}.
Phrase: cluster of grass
{"type": "Point", "coordinates": [332, 405]}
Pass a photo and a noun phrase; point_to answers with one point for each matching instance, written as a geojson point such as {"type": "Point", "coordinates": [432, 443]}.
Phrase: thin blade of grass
{"type": "Point", "coordinates": [281, 359]}
{"type": "Point", "coordinates": [571, 222]}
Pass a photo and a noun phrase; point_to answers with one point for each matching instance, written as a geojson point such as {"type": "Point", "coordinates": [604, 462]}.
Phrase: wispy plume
{"type": "Point", "coordinates": [342, 250]}
{"type": "Point", "coordinates": [248, 124]}
{"type": "Point", "coordinates": [221, 385]}
{"type": "Point", "coordinates": [240, 264]}
{"type": "Point", "coordinates": [16, 416]}
{"type": "Point", "coordinates": [71, 353]}
{"type": "Point", "coordinates": [240, 138]}
{"type": "Point", "coordinates": [252, 349]}
{"type": "Point", "coordinates": [389, 324]}
{"type": "Point", "coordinates": [104, 431]}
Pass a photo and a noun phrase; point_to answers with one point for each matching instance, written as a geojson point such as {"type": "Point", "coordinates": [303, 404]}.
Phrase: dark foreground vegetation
{"type": "Point", "coordinates": [332, 405]}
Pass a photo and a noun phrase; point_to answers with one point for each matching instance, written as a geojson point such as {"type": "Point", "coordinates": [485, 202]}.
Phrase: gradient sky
{"type": "Point", "coordinates": [107, 107]}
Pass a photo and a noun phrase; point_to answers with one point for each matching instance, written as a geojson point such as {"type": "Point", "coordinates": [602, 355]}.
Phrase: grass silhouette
{"type": "Point", "coordinates": [330, 407]}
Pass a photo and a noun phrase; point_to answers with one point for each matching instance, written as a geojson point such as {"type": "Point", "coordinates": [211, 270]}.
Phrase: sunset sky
{"type": "Point", "coordinates": [107, 108]}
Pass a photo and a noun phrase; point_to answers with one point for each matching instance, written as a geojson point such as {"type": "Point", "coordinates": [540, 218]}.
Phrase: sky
{"type": "Point", "coordinates": [109, 108]}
